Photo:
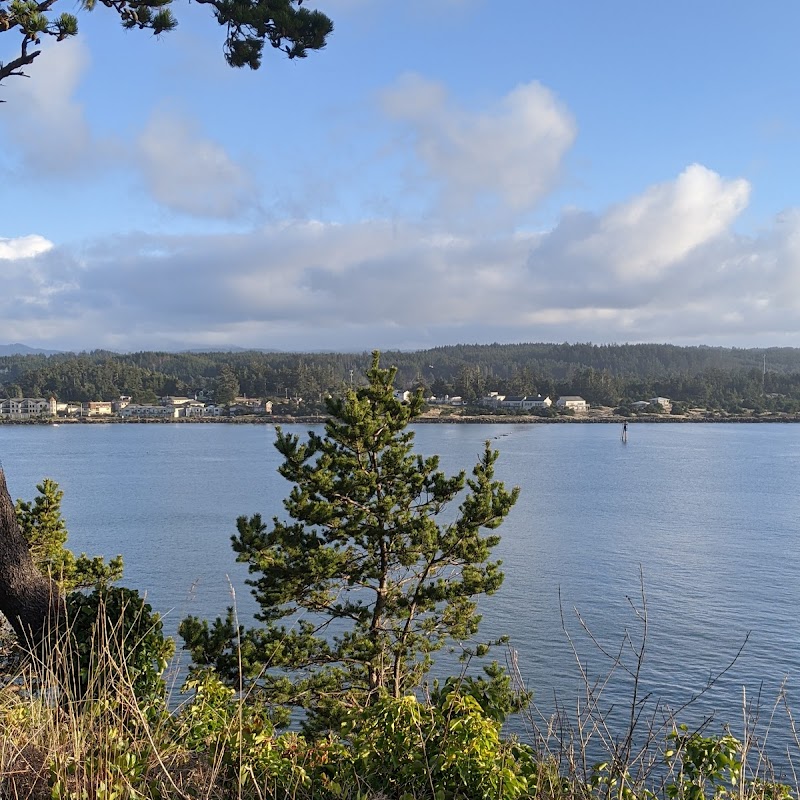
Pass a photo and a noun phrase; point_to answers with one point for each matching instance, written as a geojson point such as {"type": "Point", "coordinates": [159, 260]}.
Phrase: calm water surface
{"type": "Point", "coordinates": [707, 514]}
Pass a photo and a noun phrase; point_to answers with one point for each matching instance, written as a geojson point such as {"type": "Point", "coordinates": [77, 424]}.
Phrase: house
{"type": "Point", "coordinates": [492, 400]}
{"type": "Point", "coordinates": [141, 411]}
{"type": "Point", "coordinates": [572, 402]}
{"type": "Point", "coordinates": [536, 402]}
{"type": "Point", "coordinates": [404, 396]}
{"type": "Point", "coordinates": [192, 409]}
{"type": "Point", "coordinates": [68, 409]}
{"type": "Point", "coordinates": [526, 403]}
{"type": "Point", "coordinates": [27, 407]}
{"type": "Point", "coordinates": [664, 402]}
{"type": "Point", "coordinates": [640, 405]}
{"type": "Point", "coordinates": [512, 401]}
{"type": "Point", "coordinates": [177, 405]}
{"type": "Point", "coordinates": [96, 408]}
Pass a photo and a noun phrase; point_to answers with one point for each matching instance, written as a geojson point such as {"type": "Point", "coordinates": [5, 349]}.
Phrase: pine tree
{"type": "Point", "coordinates": [373, 572]}
{"type": "Point", "coordinates": [46, 533]}
{"type": "Point", "coordinates": [226, 387]}
{"type": "Point", "coordinates": [249, 25]}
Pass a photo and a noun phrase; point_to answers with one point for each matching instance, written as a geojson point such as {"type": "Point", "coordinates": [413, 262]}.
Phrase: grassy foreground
{"type": "Point", "coordinates": [104, 728]}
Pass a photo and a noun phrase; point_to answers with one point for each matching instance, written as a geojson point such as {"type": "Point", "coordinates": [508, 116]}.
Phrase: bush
{"type": "Point", "coordinates": [113, 636]}
{"type": "Point", "coordinates": [449, 749]}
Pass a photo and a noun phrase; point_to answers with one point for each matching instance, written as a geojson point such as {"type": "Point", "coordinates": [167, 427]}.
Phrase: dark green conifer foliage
{"type": "Point", "coordinates": [373, 571]}
{"type": "Point", "coordinates": [46, 533]}
{"type": "Point", "coordinates": [226, 387]}
{"type": "Point", "coordinates": [287, 25]}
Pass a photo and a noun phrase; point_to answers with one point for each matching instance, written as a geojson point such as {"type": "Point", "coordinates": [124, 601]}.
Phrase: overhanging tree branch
{"type": "Point", "coordinates": [286, 24]}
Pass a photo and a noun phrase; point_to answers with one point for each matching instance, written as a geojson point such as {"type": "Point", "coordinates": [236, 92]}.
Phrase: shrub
{"type": "Point", "coordinates": [114, 636]}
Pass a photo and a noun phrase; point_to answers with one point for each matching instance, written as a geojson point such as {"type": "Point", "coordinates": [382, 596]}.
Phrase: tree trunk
{"type": "Point", "coordinates": [30, 601]}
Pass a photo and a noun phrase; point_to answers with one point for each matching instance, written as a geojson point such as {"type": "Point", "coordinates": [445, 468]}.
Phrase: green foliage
{"type": "Point", "coordinates": [608, 780]}
{"type": "Point", "coordinates": [249, 24]}
{"type": "Point", "coordinates": [450, 749]}
{"type": "Point", "coordinates": [602, 374]}
{"type": "Point", "coordinates": [115, 767]}
{"type": "Point", "coordinates": [285, 24]}
{"type": "Point", "coordinates": [240, 739]}
{"type": "Point", "coordinates": [705, 766]}
{"type": "Point", "coordinates": [493, 693]}
{"type": "Point", "coordinates": [46, 533]}
{"type": "Point", "coordinates": [115, 638]}
{"type": "Point", "coordinates": [371, 575]}
{"type": "Point", "coordinates": [226, 387]}
{"type": "Point", "coordinates": [398, 747]}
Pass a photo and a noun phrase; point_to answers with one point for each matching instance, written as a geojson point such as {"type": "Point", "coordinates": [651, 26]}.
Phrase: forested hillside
{"type": "Point", "coordinates": [603, 374]}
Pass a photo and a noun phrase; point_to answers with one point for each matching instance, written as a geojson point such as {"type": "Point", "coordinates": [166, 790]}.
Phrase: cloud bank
{"type": "Point", "coordinates": [663, 266]}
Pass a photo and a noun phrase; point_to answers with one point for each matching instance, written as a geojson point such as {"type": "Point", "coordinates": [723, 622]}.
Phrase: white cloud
{"type": "Point", "coordinates": [191, 174]}
{"type": "Point", "coordinates": [313, 285]}
{"type": "Point", "coordinates": [644, 236]}
{"type": "Point", "coordinates": [48, 126]}
{"type": "Point", "coordinates": [511, 152]}
{"type": "Point", "coordinates": [23, 247]}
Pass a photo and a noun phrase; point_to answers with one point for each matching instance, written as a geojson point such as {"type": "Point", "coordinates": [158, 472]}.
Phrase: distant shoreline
{"type": "Point", "coordinates": [450, 419]}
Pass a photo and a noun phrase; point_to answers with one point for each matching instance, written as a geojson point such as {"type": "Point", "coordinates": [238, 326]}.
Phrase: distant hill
{"type": "Point", "coordinates": [18, 349]}
{"type": "Point", "coordinates": [607, 375]}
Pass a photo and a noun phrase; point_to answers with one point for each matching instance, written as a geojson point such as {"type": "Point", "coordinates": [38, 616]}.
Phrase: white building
{"type": "Point", "coordinates": [492, 400]}
{"type": "Point", "coordinates": [68, 409]}
{"type": "Point", "coordinates": [664, 402]}
{"type": "Point", "coordinates": [27, 407]}
{"type": "Point", "coordinates": [572, 402]}
{"type": "Point", "coordinates": [194, 408]}
{"type": "Point", "coordinates": [141, 411]}
{"type": "Point", "coordinates": [512, 401]}
{"type": "Point", "coordinates": [526, 403]}
{"type": "Point", "coordinates": [96, 408]}
{"type": "Point", "coordinates": [536, 402]}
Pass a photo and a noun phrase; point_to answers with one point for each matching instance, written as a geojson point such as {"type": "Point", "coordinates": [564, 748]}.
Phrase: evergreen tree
{"type": "Point", "coordinates": [249, 24]}
{"type": "Point", "coordinates": [43, 528]}
{"type": "Point", "coordinates": [370, 575]}
{"type": "Point", "coordinates": [226, 387]}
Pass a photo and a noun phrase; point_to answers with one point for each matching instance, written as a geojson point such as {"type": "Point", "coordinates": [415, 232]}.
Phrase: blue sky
{"type": "Point", "coordinates": [444, 171]}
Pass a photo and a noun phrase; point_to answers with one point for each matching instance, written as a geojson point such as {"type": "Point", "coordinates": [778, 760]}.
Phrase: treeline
{"type": "Point", "coordinates": [711, 377]}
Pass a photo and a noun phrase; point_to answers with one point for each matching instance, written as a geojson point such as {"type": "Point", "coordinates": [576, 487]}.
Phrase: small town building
{"type": "Point", "coordinates": [492, 400]}
{"type": "Point", "coordinates": [572, 402]}
{"type": "Point", "coordinates": [536, 402]}
{"type": "Point", "coordinates": [97, 408]}
{"type": "Point", "coordinates": [27, 407]}
{"type": "Point", "coordinates": [664, 402]}
{"type": "Point", "coordinates": [526, 402]}
{"type": "Point", "coordinates": [512, 401]}
{"type": "Point", "coordinates": [144, 411]}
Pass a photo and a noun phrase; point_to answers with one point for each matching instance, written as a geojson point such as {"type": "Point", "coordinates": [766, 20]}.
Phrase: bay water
{"type": "Point", "coordinates": [693, 527]}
